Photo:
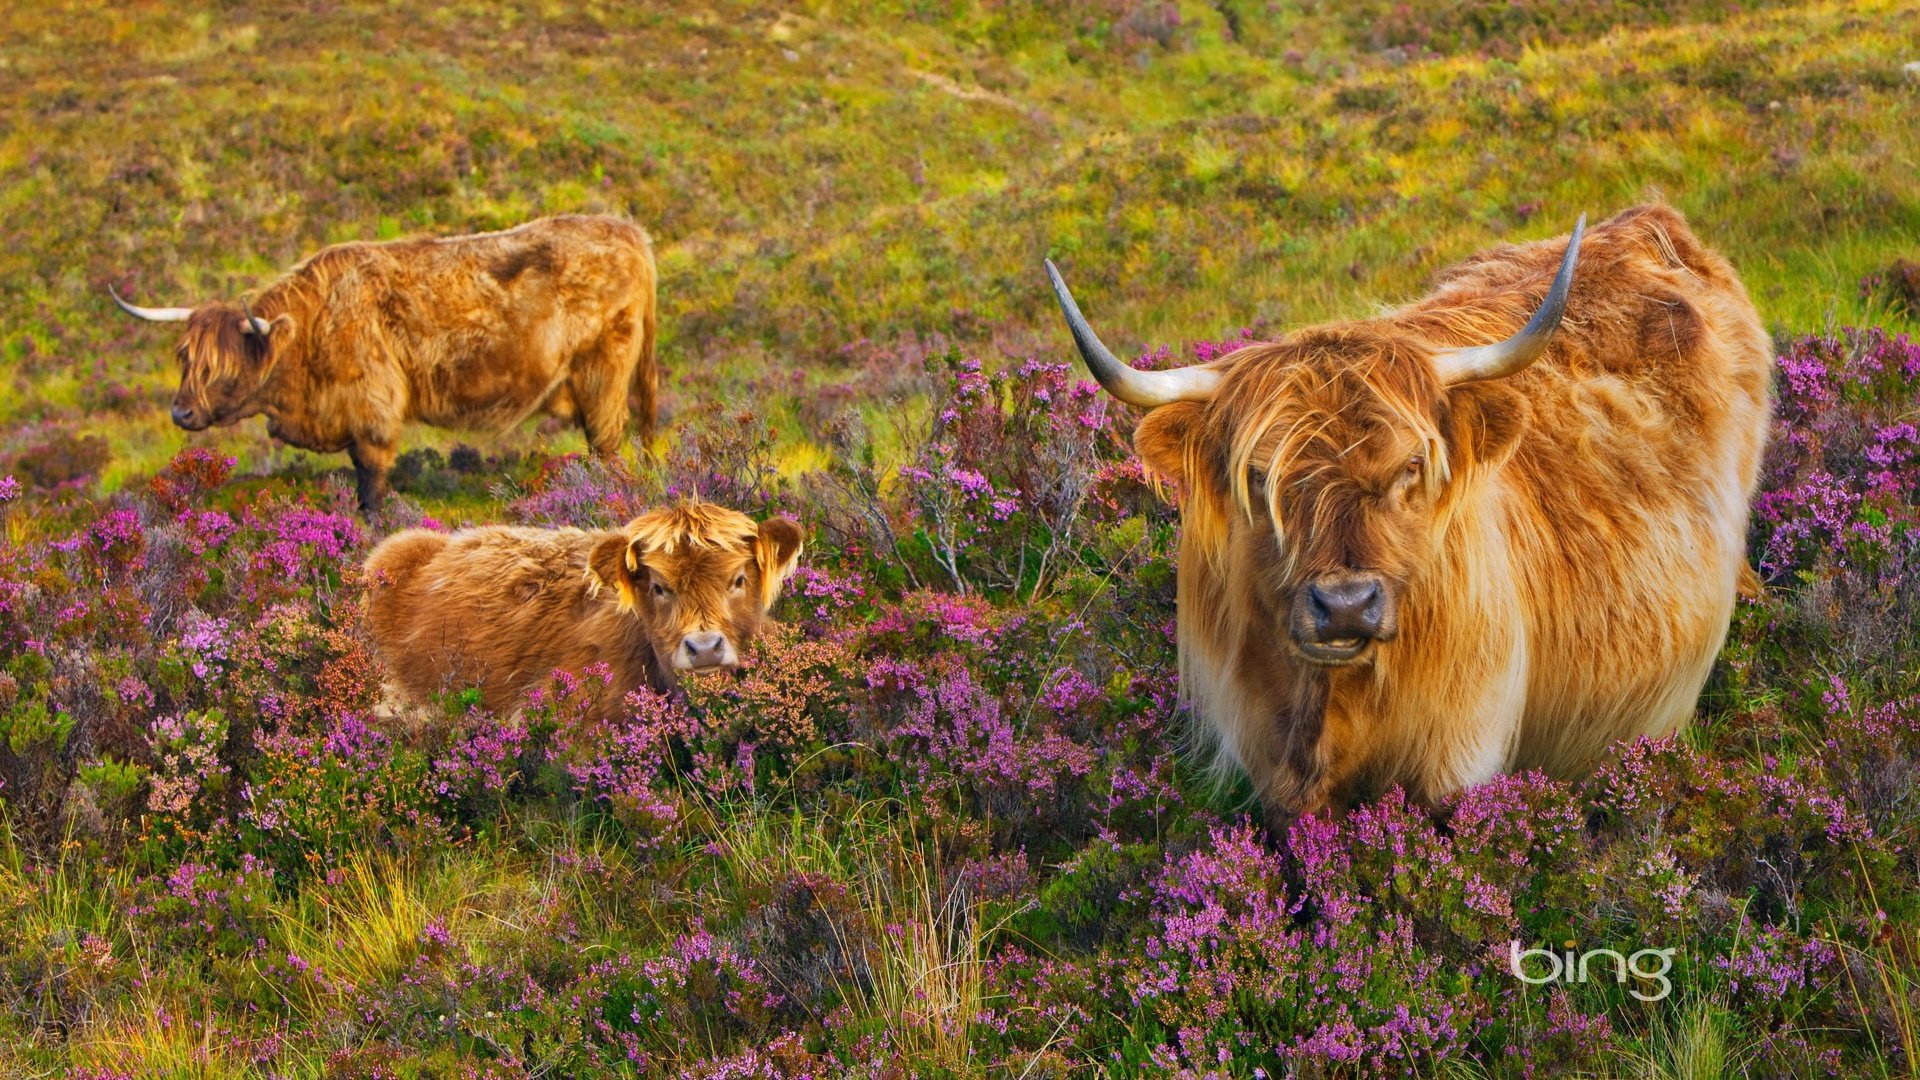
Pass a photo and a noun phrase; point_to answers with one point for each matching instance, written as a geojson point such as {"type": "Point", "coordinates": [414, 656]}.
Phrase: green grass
{"type": "Point", "coordinates": [823, 176]}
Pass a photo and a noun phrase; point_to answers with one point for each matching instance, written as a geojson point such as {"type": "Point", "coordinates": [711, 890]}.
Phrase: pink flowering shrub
{"type": "Point", "coordinates": [1836, 509]}
{"type": "Point", "coordinates": [1003, 470]}
{"type": "Point", "coordinates": [196, 906]}
{"type": "Point", "coordinates": [994, 493]}
{"type": "Point", "coordinates": [579, 492]}
{"type": "Point", "coordinates": [622, 766]}
{"type": "Point", "coordinates": [316, 797]}
{"type": "Point", "coordinates": [943, 816]}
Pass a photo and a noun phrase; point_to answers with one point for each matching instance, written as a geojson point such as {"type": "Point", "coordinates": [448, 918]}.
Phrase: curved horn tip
{"type": "Point", "coordinates": [1146, 389]}
{"type": "Point", "coordinates": [1107, 369]}
{"type": "Point", "coordinates": [174, 314]}
{"type": "Point", "coordinates": [1476, 362]}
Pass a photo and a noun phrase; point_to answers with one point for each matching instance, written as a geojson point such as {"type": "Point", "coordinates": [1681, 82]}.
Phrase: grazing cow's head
{"type": "Point", "coordinates": [225, 355]}
{"type": "Point", "coordinates": [700, 576]}
{"type": "Point", "coordinates": [1312, 471]}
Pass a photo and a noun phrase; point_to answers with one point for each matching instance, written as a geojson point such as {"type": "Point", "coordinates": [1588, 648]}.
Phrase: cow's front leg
{"type": "Point", "coordinates": [371, 460]}
{"type": "Point", "coordinates": [1287, 759]}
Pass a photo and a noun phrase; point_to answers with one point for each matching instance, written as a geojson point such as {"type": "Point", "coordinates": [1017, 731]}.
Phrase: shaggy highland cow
{"type": "Point", "coordinates": [1498, 529]}
{"type": "Point", "coordinates": [499, 608]}
{"type": "Point", "coordinates": [472, 332]}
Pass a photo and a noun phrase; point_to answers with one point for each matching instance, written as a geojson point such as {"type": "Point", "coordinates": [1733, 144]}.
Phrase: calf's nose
{"type": "Point", "coordinates": [1346, 609]}
{"type": "Point", "coordinates": [183, 416]}
{"type": "Point", "coordinates": [706, 649]}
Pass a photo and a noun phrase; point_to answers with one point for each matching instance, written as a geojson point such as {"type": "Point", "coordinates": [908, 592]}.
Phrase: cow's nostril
{"type": "Point", "coordinates": [1317, 606]}
{"type": "Point", "coordinates": [182, 416]}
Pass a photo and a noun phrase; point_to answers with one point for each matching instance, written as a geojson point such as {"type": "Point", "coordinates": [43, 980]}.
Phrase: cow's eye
{"type": "Point", "coordinates": [740, 581]}
{"type": "Point", "coordinates": [1414, 464]}
{"type": "Point", "coordinates": [659, 591]}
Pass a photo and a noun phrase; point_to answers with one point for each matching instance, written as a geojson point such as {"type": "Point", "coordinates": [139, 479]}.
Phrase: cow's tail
{"type": "Point", "coordinates": [644, 387]}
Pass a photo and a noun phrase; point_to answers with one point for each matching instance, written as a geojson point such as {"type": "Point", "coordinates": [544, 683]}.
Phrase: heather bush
{"type": "Point", "coordinates": [1000, 473]}
{"type": "Point", "coordinates": [943, 814]}
{"type": "Point", "coordinates": [1896, 290]}
{"type": "Point", "coordinates": [577, 491]}
{"type": "Point", "coordinates": [60, 459]}
{"type": "Point", "coordinates": [1835, 513]}
{"type": "Point", "coordinates": [725, 454]}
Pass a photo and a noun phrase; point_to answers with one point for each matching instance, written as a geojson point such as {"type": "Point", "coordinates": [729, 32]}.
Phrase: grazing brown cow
{"type": "Point", "coordinates": [1497, 529]}
{"type": "Point", "coordinates": [502, 609]}
{"type": "Point", "coordinates": [473, 332]}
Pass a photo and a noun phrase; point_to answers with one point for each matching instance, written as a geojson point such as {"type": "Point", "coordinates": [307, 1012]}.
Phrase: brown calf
{"type": "Point", "coordinates": [502, 609]}
{"type": "Point", "coordinates": [472, 332]}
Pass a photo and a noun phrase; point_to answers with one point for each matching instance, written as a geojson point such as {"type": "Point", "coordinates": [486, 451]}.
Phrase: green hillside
{"type": "Point", "coordinates": [828, 183]}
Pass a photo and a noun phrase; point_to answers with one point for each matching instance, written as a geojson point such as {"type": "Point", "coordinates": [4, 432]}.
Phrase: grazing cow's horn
{"type": "Point", "coordinates": [1523, 348]}
{"type": "Point", "coordinates": [151, 314]}
{"type": "Point", "coordinates": [1143, 388]}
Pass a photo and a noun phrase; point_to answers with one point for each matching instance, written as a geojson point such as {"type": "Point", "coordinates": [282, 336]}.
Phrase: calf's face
{"type": "Point", "coordinates": [701, 582]}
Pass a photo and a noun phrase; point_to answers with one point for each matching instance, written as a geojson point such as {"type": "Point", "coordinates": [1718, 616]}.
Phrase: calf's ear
{"type": "Point", "coordinates": [777, 551]}
{"type": "Point", "coordinates": [615, 565]}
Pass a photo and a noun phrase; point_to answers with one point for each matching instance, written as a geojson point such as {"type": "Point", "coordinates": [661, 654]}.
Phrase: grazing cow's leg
{"type": "Point", "coordinates": [599, 384]}
{"type": "Point", "coordinates": [646, 377]}
{"type": "Point", "coordinates": [605, 419]}
{"type": "Point", "coordinates": [371, 461]}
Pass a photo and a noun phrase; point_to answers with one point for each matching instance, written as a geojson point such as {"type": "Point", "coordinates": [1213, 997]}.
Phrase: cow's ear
{"type": "Point", "coordinates": [1172, 441]}
{"type": "Point", "coordinates": [260, 344]}
{"type": "Point", "coordinates": [1167, 438]}
{"type": "Point", "coordinates": [615, 564]}
{"type": "Point", "coordinates": [777, 551]}
{"type": "Point", "coordinates": [1484, 423]}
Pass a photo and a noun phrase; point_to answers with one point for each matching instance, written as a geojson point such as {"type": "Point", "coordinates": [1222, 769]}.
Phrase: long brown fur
{"type": "Point", "coordinates": [502, 609]}
{"type": "Point", "coordinates": [1564, 545]}
{"type": "Point", "coordinates": [471, 332]}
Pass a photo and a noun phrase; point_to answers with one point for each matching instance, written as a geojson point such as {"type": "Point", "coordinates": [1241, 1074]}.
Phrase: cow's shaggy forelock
{"type": "Point", "coordinates": [1320, 428]}
{"type": "Point", "coordinates": [696, 550]}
